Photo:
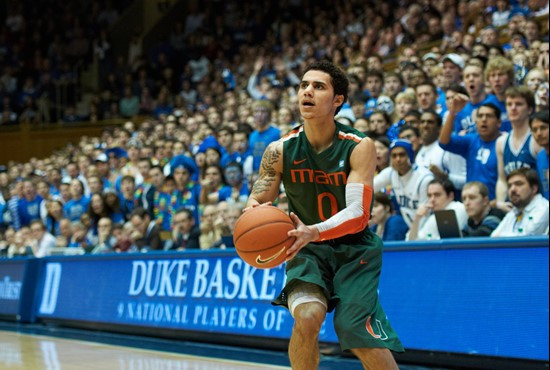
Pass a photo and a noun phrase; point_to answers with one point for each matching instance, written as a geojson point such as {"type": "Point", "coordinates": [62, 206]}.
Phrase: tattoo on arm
{"type": "Point", "coordinates": [268, 174]}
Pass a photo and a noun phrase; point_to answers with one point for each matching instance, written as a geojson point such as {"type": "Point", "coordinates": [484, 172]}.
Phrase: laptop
{"type": "Point", "coordinates": [447, 224]}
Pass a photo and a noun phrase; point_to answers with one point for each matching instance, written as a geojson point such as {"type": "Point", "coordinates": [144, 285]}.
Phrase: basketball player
{"type": "Point", "coordinates": [327, 170]}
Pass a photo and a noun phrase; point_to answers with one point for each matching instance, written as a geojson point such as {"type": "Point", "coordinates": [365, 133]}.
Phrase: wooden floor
{"type": "Point", "coordinates": [29, 351]}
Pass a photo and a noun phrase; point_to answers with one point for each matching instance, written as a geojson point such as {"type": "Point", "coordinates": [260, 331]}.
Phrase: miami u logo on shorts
{"type": "Point", "coordinates": [382, 335]}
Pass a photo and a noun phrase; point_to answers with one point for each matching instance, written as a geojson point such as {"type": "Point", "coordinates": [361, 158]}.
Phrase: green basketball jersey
{"type": "Point", "coordinates": [315, 183]}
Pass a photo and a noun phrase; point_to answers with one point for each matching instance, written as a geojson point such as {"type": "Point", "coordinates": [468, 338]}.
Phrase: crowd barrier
{"type": "Point", "coordinates": [485, 297]}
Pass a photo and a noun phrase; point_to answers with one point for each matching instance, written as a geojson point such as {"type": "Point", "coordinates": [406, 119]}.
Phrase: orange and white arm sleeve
{"type": "Point", "coordinates": [353, 218]}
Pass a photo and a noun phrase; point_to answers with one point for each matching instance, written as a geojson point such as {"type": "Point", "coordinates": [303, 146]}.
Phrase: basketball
{"type": "Point", "coordinates": [260, 236]}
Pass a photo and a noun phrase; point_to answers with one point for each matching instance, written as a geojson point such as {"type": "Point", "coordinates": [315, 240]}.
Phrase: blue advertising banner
{"type": "Point", "coordinates": [17, 288]}
{"type": "Point", "coordinates": [474, 298]}
{"type": "Point", "coordinates": [482, 301]}
{"type": "Point", "coordinates": [192, 291]}
{"type": "Point", "coordinates": [11, 285]}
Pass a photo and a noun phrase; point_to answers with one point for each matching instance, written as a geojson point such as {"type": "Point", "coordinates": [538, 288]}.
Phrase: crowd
{"type": "Point", "coordinates": [460, 124]}
{"type": "Point", "coordinates": [43, 47]}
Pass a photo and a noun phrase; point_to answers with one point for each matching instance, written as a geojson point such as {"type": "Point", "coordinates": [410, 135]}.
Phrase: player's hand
{"type": "Point", "coordinates": [304, 234]}
{"type": "Point", "coordinates": [257, 205]}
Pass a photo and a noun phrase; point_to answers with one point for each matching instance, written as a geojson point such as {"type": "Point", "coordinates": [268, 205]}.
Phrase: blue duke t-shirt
{"type": "Point", "coordinates": [481, 159]}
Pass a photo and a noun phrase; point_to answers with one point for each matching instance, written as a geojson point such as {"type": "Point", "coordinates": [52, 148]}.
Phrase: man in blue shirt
{"type": "Point", "coordinates": [475, 87]}
{"type": "Point", "coordinates": [28, 206]}
{"type": "Point", "coordinates": [479, 149]}
{"type": "Point", "coordinates": [264, 133]}
{"type": "Point", "coordinates": [539, 128]}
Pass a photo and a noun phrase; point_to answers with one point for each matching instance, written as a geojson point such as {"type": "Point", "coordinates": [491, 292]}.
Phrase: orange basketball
{"type": "Point", "coordinates": [260, 236]}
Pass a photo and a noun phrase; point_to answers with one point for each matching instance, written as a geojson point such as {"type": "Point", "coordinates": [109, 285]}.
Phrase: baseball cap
{"type": "Point", "coordinates": [102, 158]}
{"type": "Point", "coordinates": [429, 56]}
{"type": "Point", "coordinates": [133, 142]}
{"type": "Point", "coordinates": [456, 59]}
{"type": "Point", "coordinates": [405, 144]}
{"type": "Point", "coordinates": [116, 152]}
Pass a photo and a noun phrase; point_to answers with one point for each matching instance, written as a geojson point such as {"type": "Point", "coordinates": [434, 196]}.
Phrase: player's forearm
{"type": "Point", "coordinates": [352, 219]}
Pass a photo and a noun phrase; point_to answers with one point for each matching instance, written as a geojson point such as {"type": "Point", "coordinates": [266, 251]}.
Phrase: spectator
{"type": "Point", "coordinates": [97, 210]}
{"type": "Point", "coordinates": [440, 197]}
{"type": "Point", "coordinates": [411, 133]}
{"type": "Point", "coordinates": [426, 93]}
{"type": "Point", "coordinates": [65, 233]}
{"type": "Point", "coordinates": [226, 224]}
{"type": "Point", "coordinates": [529, 215]}
{"type": "Point", "coordinates": [240, 151]}
{"type": "Point", "coordinates": [479, 149]}
{"type": "Point", "coordinates": [393, 84]}
{"type": "Point", "coordinates": [112, 203]}
{"type": "Point", "coordinates": [96, 185]}
{"type": "Point", "coordinates": [501, 16]}
{"type": "Point", "coordinates": [224, 136]}
{"type": "Point", "coordinates": [146, 234]}
{"type": "Point", "coordinates": [185, 233]}
{"type": "Point", "coordinates": [236, 189]}
{"type": "Point", "coordinates": [54, 216]}
{"type": "Point", "coordinates": [382, 147]}
{"type": "Point", "coordinates": [482, 219]}
{"type": "Point", "coordinates": [209, 233]}
{"type": "Point", "coordinates": [129, 104]}
{"type": "Point", "coordinates": [373, 88]}
{"type": "Point", "coordinates": [144, 195]}
{"type": "Point", "coordinates": [263, 133]}
{"type": "Point", "coordinates": [499, 73]}
{"type": "Point", "coordinates": [516, 150]}
{"type": "Point", "coordinates": [453, 64]}
{"type": "Point", "coordinates": [475, 88]}
{"type": "Point", "coordinates": [28, 206]}
{"type": "Point", "coordinates": [211, 184]}
{"type": "Point", "coordinates": [408, 182]}
{"type": "Point", "coordinates": [387, 225]}
{"type": "Point", "coordinates": [79, 238]}
{"type": "Point", "coordinates": [127, 200]}
{"type": "Point", "coordinates": [539, 127]}
{"type": "Point", "coordinates": [379, 123]}
{"type": "Point", "coordinates": [431, 156]}
{"type": "Point", "coordinates": [43, 241]}
{"type": "Point", "coordinates": [105, 239]}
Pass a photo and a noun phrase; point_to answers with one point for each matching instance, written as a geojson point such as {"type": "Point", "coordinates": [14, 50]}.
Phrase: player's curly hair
{"type": "Point", "coordinates": [338, 78]}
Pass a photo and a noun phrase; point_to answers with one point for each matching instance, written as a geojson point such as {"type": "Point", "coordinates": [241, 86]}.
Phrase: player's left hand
{"type": "Point", "coordinates": [304, 234]}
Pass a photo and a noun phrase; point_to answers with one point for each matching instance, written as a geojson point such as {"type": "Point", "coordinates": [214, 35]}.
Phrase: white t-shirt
{"type": "Point", "coordinates": [410, 190]}
{"type": "Point", "coordinates": [45, 245]}
{"type": "Point", "coordinates": [452, 164]}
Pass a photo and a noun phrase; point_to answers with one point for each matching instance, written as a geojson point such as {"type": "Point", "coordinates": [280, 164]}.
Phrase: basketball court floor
{"type": "Point", "coordinates": [34, 347]}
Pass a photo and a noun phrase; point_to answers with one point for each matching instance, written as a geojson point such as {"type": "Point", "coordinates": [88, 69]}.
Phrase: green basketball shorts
{"type": "Point", "coordinates": [348, 275]}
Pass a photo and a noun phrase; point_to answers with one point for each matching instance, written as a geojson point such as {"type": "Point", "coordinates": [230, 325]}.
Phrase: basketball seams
{"type": "Point", "coordinates": [262, 234]}
{"type": "Point", "coordinates": [260, 225]}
